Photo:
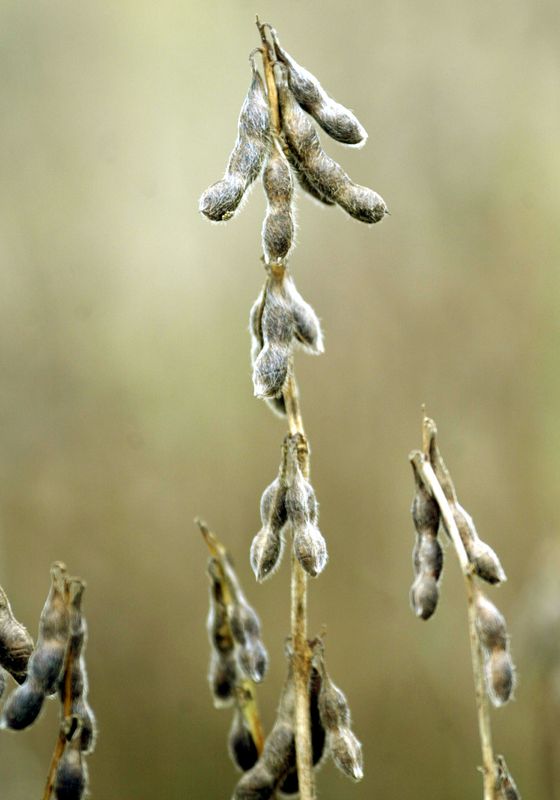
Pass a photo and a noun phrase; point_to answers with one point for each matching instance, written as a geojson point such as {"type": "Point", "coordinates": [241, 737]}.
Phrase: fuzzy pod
{"type": "Point", "coordinates": [500, 676]}
{"type": "Point", "coordinates": [302, 179]}
{"type": "Point", "coordinates": [336, 120]}
{"type": "Point", "coordinates": [251, 653]}
{"type": "Point", "coordinates": [88, 725]}
{"type": "Point", "coordinates": [307, 328]}
{"type": "Point", "coordinates": [271, 366]}
{"type": "Point", "coordinates": [220, 201]}
{"type": "Point", "coordinates": [266, 552]}
{"type": "Point", "coordinates": [326, 175]}
{"type": "Point", "coordinates": [222, 677]}
{"type": "Point", "coordinates": [71, 775]}
{"type": "Point", "coordinates": [47, 662]}
{"type": "Point", "coordinates": [424, 596]}
{"type": "Point", "coordinates": [505, 785]}
{"type": "Point", "coordinates": [425, 510]}
{"type": "Point", "coordinates": [490, 623]}
{"type": "Point", "coordinates": [23, 706]}
{"type": "Point", "coordinates": [256, 784]}
{"type": "Point", "coordinates": [346, 753]}
{"type": "Point", "coordinates": [310, 549]}
{"type": "Point", "coordinates": [241, 745]}
{"type": "Point", "coordinates": [484, 560]}
{"type": "Point", "coordinates": [16, 645]}
{"type": "Point", "coordinates": [290, 785]}
{"type": "Point", "coordinates": [278, 227]}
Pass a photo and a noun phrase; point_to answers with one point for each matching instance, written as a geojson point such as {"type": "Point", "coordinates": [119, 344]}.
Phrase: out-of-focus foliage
{"type": "Point", "coordinates": [126, 398]}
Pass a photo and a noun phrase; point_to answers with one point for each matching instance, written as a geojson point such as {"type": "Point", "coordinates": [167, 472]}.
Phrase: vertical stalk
{"type": "Point", "coordinates": [424, 466]}
{"type": "Point", "coordinates": [302, 653]}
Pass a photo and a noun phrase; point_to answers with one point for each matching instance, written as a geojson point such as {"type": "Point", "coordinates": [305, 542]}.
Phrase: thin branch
{"type": "Point", "coordinates": [425, 470]}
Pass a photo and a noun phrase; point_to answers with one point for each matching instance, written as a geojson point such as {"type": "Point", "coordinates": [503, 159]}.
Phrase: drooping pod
{"type": "Point", "coordinates": [290, 784]}
{"type": "Point", "coordinates": [486, 563]}
{"type": "Point", "coordinates": [326, 175]}
{"type": "Point", "coordinates": [278, 756]}
{"type": "Point", "coordinates": [220, 201]}
{"type": "Point", "coordinates": [268, 544]}
{"type": "Point", "coordinates": [16, 645]}
{"type": "Point", "coordinates": [307, 328]}
{"type": "Point", "coordinates": [336, 120]}
{"type": "Point", "coordinates": [507, 790]}
{"type": "Point", "coordinates": [427, 553]}
{"type": "Point", "coordinates": [302, 513]}
{"type": "Point", "coordinates": [492, 632]}
{"type": "Point", "coordinates": [278, 226]}
{"type": "Point", "coordinates": [271, 366]}
{"type": "Point", "coordinates": [71, 778]}
{"type": "Point", "coordinates": [343, 746]}
{"type": "Point", "coordinates": [46, 664]}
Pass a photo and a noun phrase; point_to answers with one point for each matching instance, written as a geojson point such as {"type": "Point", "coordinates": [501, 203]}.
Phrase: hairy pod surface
{"type": "Point", "coordinates": [241, 745]}
{"type": "Point", "coordinates": [220, 201]}
{"type": "Point", "coordinates": [336, 120]}
{"type": "Point", "coordinates": [222, 677]}
{"type": "Point", "coordinates": [500, 676]}
{"type": "Point", "coordinates": [278, 226]}
{"type": "Point", "coordinates": [302, 179]}
{"type": "Point", "coordinates": [490, 623]}
{"type": "Point", "coordinates": [307, 328]}
{"type": "Point", "coordinates": [16, 645]}
{"type": "Point", "coordinates": [266, 552]}
{"type": "Point", "coordinates": [47, 662]}
{"type": "Point", "coordinates": [71, 774]}
{"type": "Point", "coordinates": [271, 366]}
{"type": "Point", "coordinates": [321, 170]}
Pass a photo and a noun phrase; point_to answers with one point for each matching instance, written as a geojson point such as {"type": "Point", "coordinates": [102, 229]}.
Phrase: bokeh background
{"type": "Point", "coordinates": [126, 403]}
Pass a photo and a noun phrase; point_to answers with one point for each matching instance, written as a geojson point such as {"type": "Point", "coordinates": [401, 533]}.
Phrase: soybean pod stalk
{"type": "Point", "coordinates": [301, 651]}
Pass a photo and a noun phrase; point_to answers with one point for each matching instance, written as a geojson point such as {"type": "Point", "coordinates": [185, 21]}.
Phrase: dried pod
{"type": "Point", "coordinates": [266, 552]}
{"type": "Point", "coordinates": [507, 790]}
{"type": "Point", "coordinates": [311, 549]}
{"type": "Point", "coordinates": [23, 706]}
{"type": "Point", "coordinates": [71, 775]}
{"type": "Point", "coordinates": [220, 201]}
{"type": "Point", "coordinates": [16, 645]}
{"type": "Point", "coordinates": [427, 555]}
{"type": "Point", "coordinates": [500, 676]}
{"type": "Point", "coordinates": [278, 226]}
{"type": "Point", "coordinates": [88, 725]}
{"type": "Point", "coordinates": [222, 677]}
{"type": "Point", "coordinates": [257, 784]}
{"type": "Point", "coordinates": [307, 328]}
{"type": "Point", "coordinates": [271, 366]}
{"type": "Point", "coordinates": [333, 706]}
{"type": "Point", "coordinates": [241, 745]}
{"type": "Point", "coordinates": [486, 563]}
{"type": "Point", "coordinates": [336, 120]}
{"type": "Point", "coordinates": [425, 510]}
{"type": "Point", "coordinates": [326, 175]}
{"type": "Point", "coordinates": [251, 653]}
{"type": "Point", "coordinates": [302, 178]}
{"type": "Point", "coordinates": [346, 753]}
{"type": "Point", "coordinates": [290, 785]}
{"type": "Point", "coordinates": [490, 624]}
{"type": "Point", "coordinates": [47, 662]}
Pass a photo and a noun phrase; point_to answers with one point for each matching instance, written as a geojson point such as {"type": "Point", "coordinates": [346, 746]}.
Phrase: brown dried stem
{"type": "Point", "coordinates": [66, 713]}
{"type": "Point", "coordinates": [301, 650]}
{"type": "Point", "coordinates": [424, 467]}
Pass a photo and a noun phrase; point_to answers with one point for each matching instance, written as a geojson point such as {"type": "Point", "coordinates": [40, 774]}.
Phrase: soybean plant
{"type": "Point", "coordinates": [435, 508]}
{"type": "Point", "coordinates": [56, 664]}
{"type": "Point", "coordinates": [276, 136]}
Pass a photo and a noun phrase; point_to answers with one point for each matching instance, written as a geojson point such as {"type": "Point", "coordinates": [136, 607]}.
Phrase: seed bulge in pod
{"type": "Point", "coordinates": [307, 328]}
{"type": "Point", "coordinates": [428, 556]}
{"type": "Point", "coordinates": [23, 706]}
{"type": "Point", "coordinates": [278, 226]}
{"type": "Point", "coordinates": [490, 623]}
{"type": "Point", "coordinates": [486, 563]}
{"type": "Point", "coordinates": [311, 549]}
{"type": "Point", "coordinates": [424, 596]}
{"type": "Point", "coordinates": [71, 774]}
{"type": "Point", "coordinates": [222, 676]}
{"type": "Point", "coordinates": [273, 505]}
{"type": "Point", "coordinates": [266, 553]}
{"type": "Point", "coordinates": [241, 745]}
{"type": "Point", "coordinates": [500, 677]}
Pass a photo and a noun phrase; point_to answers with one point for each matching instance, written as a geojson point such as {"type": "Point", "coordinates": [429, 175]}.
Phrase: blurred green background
{"type": "Point", "coordinates": [126, 402]}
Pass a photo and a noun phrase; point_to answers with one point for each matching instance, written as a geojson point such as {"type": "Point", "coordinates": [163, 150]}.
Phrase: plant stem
{"type": "Point", "coordinates": [302, 652]}
{"type": "Point", "coordinates": [434, 487]}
